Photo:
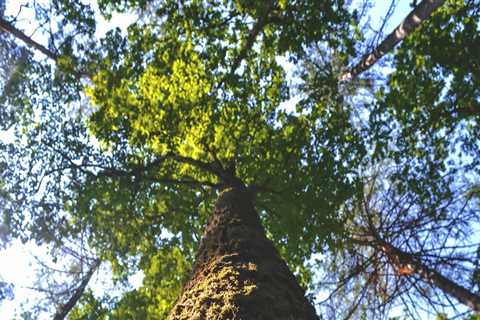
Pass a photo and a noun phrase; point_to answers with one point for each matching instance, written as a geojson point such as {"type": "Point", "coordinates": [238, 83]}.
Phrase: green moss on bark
{"type": "Point", "coordinates": [238, 273]}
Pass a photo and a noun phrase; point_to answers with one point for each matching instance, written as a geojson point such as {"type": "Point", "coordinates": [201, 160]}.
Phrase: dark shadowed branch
{"type": "Point", "coordinates": [63, 311]}
{"type": "Point", "coordinates": [7, 27]}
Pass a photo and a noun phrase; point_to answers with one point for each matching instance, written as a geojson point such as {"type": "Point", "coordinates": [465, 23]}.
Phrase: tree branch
{"type": "Point", "coordinates": [252, 36]}
{"type": "Point", "coordinates": [63, 311]}
{"type": "Point", "coordinates": [408, 25]}
{"type": "Point", "coordinates": [7, 27]}
{"type": "Point", "coordinates": [431, 276]}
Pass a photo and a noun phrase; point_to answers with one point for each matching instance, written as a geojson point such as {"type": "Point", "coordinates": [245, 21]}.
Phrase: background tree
{"type": "Point", "coordinates": [435, 147]}
{"type": "Point", "coordinates": [418, 15]}
{"type": "Point", "coordinates": [400, 251]}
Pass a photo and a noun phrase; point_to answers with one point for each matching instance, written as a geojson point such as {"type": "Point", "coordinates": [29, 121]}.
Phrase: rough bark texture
{"type": "Point", "coordinates": [238, 273]}
{"type": "Point", "coordinates": [408, 25]}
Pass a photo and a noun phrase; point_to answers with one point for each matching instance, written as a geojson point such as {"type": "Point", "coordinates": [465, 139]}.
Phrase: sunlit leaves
{"type": "Point", "coordinates": [433, 92]}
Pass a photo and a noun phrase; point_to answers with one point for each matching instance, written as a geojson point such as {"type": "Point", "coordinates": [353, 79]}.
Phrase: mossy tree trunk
{"type": "Point", "coordinates": [238, 273]}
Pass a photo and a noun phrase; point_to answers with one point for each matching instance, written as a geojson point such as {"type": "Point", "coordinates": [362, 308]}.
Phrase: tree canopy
{"type": "Point", "coordinates": [123, 143]}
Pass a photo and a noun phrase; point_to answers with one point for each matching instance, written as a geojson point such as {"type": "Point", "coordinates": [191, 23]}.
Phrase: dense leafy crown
{"type": "Point", "coordinates": [124, 143]}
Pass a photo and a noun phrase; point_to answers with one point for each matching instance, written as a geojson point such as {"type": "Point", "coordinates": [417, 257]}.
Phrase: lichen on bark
{"type": "Point", "coordinates": [238, 274]}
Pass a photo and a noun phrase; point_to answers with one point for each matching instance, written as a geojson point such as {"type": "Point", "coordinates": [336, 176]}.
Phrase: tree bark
{"type": "Point", "coordinates": [408, 25]}
{"type": "Point", "coordinates": [238, 274]}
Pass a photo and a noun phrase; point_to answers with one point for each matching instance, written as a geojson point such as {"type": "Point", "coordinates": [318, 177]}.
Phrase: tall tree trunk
{"type": "Point", "coordinates": [238, 273]}
{"type": "Point", "coordinates": [408, 264]}
{"type": "Point", "coordinates": [408, 25]}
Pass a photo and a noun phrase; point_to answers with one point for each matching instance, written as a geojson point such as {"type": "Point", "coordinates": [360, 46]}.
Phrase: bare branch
{"type": "Point", "coordinates": [430, 275]}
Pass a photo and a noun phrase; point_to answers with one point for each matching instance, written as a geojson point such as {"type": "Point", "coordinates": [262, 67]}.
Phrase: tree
{"type": "Point", "coordinates": [429, 112]}
{"type": "Point", "coordinates": [185, 107]}
{"type": "Point", "coordinates": [213, 131]}
{"type": "Point", "coordinates": [402, 249]}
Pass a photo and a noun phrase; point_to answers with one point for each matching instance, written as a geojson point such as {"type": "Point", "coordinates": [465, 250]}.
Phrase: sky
{"type": "Point", "coordinates": [17, 262]}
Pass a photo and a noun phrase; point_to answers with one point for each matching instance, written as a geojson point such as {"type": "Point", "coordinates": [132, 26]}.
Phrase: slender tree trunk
{"type": "Point", "coordinates": [64, 310]}
{"type": "Point", "coordinates": [408, 25]}
{"type": "Point", "coordinates": [238, 273]}
{"type": "Point", "coordinates": [412, 265]}
{"type": "Point", "coordinates": [7, 27]}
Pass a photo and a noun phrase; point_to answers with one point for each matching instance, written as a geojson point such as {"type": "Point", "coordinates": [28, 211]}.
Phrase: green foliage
{"type": "Point", "coordinates": [192, 98]}
{"type": "Point", "coordinates": [6, 291]}
{"type": "Point", "coordinates": [173, 96]}
{"type": "Point", "coordinates": [164, 275]}
{"type": "Point", "coordinates": [90, 308]}
{"type": "Point", "coordinates": [433, 94]}
{"type": "Point", "coordinates": [13, 70]}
